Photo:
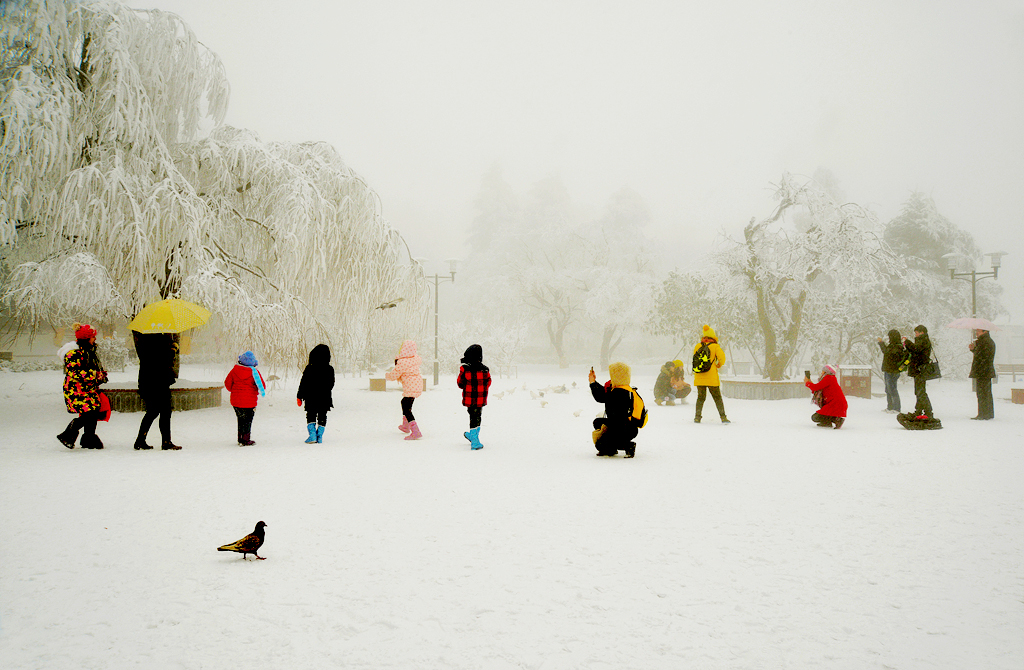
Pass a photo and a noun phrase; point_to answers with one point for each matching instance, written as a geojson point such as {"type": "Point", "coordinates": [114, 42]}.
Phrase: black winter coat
{"type": "Point", "coordinates": [317, 380]}
{"type": "Point", "coordinates": [618, 406]}
{"type": "Point", "coordinates": [156, 361]}
{"type": "Point", "coordinates": [983, 366]}
{"type": "Point", "coordinates": [920, 349]}
{"type": "Point", "coordinates": [892, 353]}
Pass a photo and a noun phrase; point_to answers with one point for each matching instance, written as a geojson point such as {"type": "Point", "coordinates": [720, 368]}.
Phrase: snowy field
{"type": "Point", "coordinates": [768, 543]}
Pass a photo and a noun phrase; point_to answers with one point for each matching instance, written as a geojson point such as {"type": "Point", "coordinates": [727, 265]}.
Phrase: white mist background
{"type": "Point", "coordinates": [699, 108]}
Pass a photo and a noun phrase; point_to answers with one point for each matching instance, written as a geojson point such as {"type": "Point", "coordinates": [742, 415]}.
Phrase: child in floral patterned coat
{"type": "Point", "coordinates": [83, 375]}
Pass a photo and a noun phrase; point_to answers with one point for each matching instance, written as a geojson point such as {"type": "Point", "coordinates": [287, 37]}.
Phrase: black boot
{"type": "Point", "coordinates": [91, 442]}
{"type": "Point", "coordinates": [69, 436]}
{"type": "Point", "coordinates": [140, 442]}
{"type": "Point", "coordinates": [167, 445]}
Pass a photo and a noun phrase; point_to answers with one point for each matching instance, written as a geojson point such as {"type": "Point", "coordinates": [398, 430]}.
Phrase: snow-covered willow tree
{"type": "Point", "coordinates": [820, 283]}
{"type": "Point", "coordinates": [120, 185]}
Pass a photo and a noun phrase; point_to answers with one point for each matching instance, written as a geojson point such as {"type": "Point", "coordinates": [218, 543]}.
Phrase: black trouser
{"type": "Point", "coordinates": [924, 404]}
{"type": "Point", "coordinates": [716, 393]}
{"type": "Point", "coordinates": [318, 416]}
{"type": "Point", "coordinates": [616, 436]}
{"type": "Point", "coordinates": [244, 415]}
{"type": "Point", "coordinates": [86, 422]}
{"type": "Point", "coordinates": [158, 403]}
{"type": "Point", "coordinates": [475, 414]}
{"type": "Point", "coordinates": [986, 408]}
{"type": "Point", "coordinates": [407, 409]}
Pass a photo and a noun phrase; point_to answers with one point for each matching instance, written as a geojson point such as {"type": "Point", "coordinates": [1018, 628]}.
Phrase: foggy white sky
{"type": "Point", "coordinates": [696, 106]}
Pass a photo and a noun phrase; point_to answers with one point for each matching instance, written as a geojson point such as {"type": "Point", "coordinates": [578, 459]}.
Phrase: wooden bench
{"type": "Point", "coordinates": [381, 384]}
{"type": "Point", "coordinates": [185, 395]}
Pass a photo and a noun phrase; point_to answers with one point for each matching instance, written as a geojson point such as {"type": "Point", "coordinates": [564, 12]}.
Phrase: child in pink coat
{"type": "Point", "coordinates": [407, 371]}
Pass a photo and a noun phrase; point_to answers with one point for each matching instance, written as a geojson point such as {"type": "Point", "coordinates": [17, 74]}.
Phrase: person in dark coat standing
{"type": "Point", "coordinates": [983, 371]}
{"type": "Point", "coordinates": [157, 371]}
{"type": "Point", "coordinates": [829, 396]}
{"type": "Point", "coordinates": [920, 353]}
{"type": "Point", "coordinates": [474, 380]}
{"type": "Point", "coordinates": [892, 356]}
{"type": "Point", "coordinates": [315, 389]}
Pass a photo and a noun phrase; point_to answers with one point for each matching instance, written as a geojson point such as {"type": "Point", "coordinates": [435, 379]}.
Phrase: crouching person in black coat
{"type": "Point", "coordinates": [615, 431]}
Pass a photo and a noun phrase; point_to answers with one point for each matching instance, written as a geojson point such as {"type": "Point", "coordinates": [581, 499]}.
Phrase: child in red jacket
{"type": "Point", "coordinates": [829, 396]}
{"type": "Point", "coordinates": [246, 386]}
{"type": "Point", "coordinates": [474, 380]}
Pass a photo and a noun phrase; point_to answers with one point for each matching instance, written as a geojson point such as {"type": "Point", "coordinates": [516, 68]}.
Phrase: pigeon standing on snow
{"type": "Point", "coordinates": [249, 544]}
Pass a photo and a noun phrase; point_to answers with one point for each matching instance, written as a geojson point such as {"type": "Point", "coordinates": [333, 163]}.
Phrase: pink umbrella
{"type": "Point", "coordinates": [973, 323]}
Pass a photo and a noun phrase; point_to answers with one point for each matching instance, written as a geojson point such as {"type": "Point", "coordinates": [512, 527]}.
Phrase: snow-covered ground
{"type": "Point", "coordinates": [768, 543]}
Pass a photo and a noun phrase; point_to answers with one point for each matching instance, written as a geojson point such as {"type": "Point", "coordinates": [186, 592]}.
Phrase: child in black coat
{"type": "Point", "coordinates": [315, 388]}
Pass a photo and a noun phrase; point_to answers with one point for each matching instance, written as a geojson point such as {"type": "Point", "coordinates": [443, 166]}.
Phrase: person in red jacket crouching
{"type": "Point", "coordinates": [246, 385]}
{"type": "Point", "coordinates": [829, 396]}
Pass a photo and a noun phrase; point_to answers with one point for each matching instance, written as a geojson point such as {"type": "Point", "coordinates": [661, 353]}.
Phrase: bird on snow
{"type": "Point", "coordinates": [249, 544]}
{"type": "Point", "coordinates": [388, 304]}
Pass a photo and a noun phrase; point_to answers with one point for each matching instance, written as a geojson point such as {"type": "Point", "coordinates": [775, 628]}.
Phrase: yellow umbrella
{"type": "Point", "coordinates": [169, 316]}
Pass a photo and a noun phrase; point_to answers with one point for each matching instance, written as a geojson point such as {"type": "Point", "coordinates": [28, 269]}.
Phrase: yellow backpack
{"type": "Point", "coordinates": [638, 417]}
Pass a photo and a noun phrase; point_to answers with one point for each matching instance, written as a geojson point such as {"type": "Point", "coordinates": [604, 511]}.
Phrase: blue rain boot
{"type": "Point", "coordinates": [311, 427]}
{"type": "Point", "coordinates": [474, 439]}
{"type": "Point", "coordinates": [320, 434]}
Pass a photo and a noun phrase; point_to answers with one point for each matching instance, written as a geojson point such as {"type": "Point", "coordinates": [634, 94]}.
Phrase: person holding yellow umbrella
{"type": "Point", "coordinates": [156, 331]}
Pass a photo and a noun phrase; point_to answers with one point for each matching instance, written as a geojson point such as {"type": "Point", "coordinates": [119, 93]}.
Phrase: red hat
{"type": "Point", "coordinates": [84, 332]}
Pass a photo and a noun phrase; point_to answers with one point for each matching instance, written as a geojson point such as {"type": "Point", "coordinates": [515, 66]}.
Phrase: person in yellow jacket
{"type": "Point", "coordinates": [708, 380]}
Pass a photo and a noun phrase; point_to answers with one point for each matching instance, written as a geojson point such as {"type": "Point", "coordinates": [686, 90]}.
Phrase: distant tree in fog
{"type": "Point", "coordinates": [497, 208]}
{"type": "Point", "coordinates": [621, 282]}
{"type": "Point", "coordinates": [922, 236]}
{"type": "Point", "coordinates": [120, 185]}
{"type": "Point", "coordinates": [685, 301]}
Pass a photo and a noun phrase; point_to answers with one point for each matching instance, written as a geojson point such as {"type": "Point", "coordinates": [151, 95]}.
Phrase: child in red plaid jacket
{"type": "Point", "coordinates": [474, 380]}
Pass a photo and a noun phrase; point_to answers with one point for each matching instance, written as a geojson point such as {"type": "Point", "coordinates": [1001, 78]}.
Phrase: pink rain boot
{"type": "Point", "coordinates": [415, 434]}
{"type": "Point", "coordinates": [405, 425]}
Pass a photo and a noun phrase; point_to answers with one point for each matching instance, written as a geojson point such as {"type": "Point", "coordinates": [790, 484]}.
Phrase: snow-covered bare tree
{"type": "Point", "coordinates": [815, 276]}
{"type": "Point", "coordinates": [120, 185]}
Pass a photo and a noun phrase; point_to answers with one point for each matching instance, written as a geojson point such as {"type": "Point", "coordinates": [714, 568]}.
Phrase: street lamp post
{"type": "Point", "coordinates": [974, 276]}
{"type": "Point", "coordinates": [437, 282]}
